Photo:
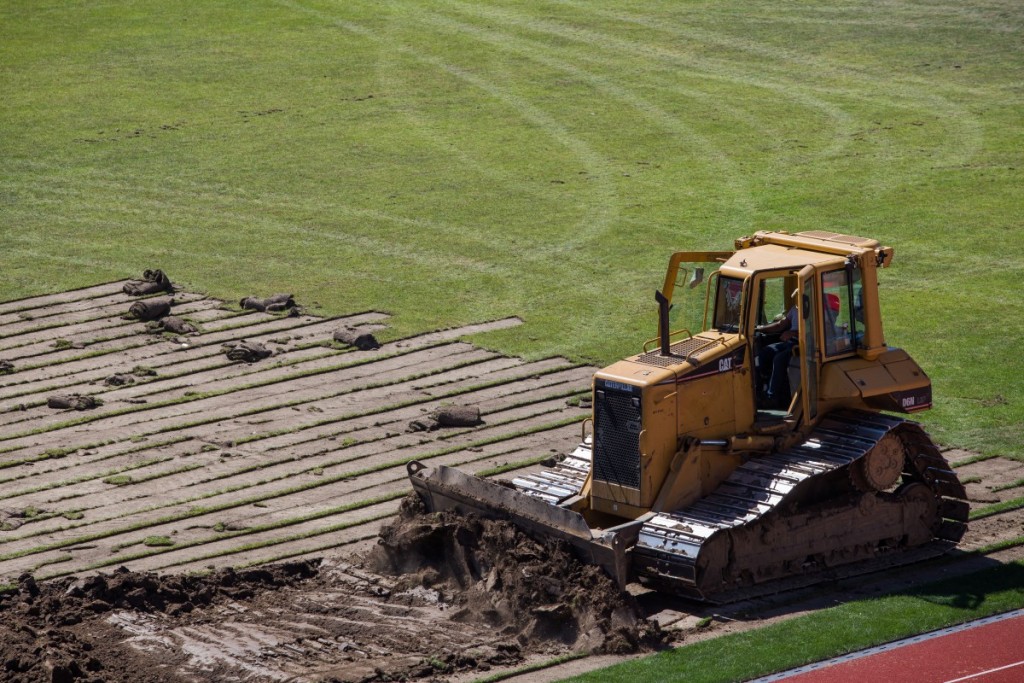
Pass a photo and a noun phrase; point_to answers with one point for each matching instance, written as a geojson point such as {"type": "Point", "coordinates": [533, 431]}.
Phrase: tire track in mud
{"type": "Point", "coordinates": [657, 116]}
{"type": "Point", "coordinates": [213, 462]}
{"type": "Point", "coordinates": [599, 215]}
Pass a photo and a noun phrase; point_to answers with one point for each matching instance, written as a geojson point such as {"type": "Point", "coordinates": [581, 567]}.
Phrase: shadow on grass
{"type": "Point", "coordinates": [906, 580]}
{"type": "Point", "coordinates": [971, 592]}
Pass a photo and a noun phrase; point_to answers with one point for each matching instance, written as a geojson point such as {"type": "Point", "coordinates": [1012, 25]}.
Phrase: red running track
{"type": "Point", "coordinates": [989, 653]}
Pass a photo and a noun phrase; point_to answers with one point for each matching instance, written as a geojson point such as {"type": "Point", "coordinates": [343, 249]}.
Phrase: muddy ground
{"type": "Point", "coordinates": [211, 519]}
{"type": "Point", "coordinates": [440, 595]}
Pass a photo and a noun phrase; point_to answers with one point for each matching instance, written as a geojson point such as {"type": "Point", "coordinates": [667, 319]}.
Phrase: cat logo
{"type": "Point", "coordinates": [725, 364]}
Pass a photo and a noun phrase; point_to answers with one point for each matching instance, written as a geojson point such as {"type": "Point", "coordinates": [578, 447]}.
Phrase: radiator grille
{"type": "Point", "coordinates": [617, 427]}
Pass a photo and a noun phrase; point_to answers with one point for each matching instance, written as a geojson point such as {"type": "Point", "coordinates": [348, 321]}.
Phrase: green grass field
{"type": "Point", "coordinates": [457, 161]}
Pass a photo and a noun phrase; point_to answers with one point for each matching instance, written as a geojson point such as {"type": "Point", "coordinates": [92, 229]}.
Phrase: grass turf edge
{"type": "Point", "coordinates": [830, 633]}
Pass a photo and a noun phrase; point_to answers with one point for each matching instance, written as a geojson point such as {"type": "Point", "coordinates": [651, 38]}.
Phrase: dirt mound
{"type": "Point", "coordinates": [534, 593]}
{"type": "Point", "coordinates": [55, 632]}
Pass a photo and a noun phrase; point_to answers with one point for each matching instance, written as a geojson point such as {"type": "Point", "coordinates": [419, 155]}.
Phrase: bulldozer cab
{"type": "Point", "coordinates": [797, 326]}
{"type": "Point", "coordinates": [796, 302]}
{"type": "Point", "coordinates": [776, 342]}
{"type": "Point", "coordinates": [802, 318]}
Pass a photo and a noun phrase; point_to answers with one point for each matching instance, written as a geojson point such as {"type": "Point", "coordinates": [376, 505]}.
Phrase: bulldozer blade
{"type": "Point", "coordinates": [445, 488]}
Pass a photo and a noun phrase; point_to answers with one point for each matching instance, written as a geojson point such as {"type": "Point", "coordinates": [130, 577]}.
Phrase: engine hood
{"type": "Point", "coordinates": [700, 356]}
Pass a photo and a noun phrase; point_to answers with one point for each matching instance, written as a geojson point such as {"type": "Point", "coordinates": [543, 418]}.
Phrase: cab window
{"type": "Point", "coordinates": [727, 304]}
{"type": "Point", "coordinates": [773, 302]}
{"type": "Point", "coordinates": [842, 311]}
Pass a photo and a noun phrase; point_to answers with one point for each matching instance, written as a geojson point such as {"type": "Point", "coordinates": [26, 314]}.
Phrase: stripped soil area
{"type": "Point", "coordinates": [482, 597]}
{"type": "Point", "coordinates": [206, 518]}
{"type": "Point", "coordinates": [189, 459]}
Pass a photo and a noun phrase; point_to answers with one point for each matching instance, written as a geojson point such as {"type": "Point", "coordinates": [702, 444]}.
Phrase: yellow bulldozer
{"type": "Point", "coordinates": [760, 445]}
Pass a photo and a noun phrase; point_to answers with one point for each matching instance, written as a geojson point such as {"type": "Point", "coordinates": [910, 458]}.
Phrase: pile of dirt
{"type": "Point", "coordinates": [56, 632]}
{"type": "Point", "coordinates": [538, 595]}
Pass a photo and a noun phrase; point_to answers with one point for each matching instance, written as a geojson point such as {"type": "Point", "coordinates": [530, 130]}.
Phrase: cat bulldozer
{"type": "Point", "coordinates": [763, 445]}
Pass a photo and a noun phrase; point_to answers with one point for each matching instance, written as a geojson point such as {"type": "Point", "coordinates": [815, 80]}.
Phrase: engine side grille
{"type": "Point", "coordinates": [617, 426]}
{"type": "Point", "coordinates": [680, 350]}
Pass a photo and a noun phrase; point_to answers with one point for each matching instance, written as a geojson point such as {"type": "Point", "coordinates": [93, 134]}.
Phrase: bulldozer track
{"type": "Point", "coordinates": [566, 479]}
{"type": "Point", "coordinates": [670, 545]}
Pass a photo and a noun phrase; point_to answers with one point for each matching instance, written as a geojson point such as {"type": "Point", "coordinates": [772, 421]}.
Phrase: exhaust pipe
{"type": "Point", "coordinates": [663, 322]}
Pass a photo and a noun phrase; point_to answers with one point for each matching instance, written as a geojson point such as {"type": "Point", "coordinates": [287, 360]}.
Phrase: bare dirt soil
{"type": "Point", "coordinates": [79, 628]}
{"type": "Point", "coordinates": [210, 519]}
{"type": "Point", "coordinates": [538, 596]}
{"type": "Point", "coordinates": [440, 595]}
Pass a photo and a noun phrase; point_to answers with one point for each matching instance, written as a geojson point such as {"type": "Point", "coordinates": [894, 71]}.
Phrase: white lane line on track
{"type": "Point", "coordinates": [985, 673]}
